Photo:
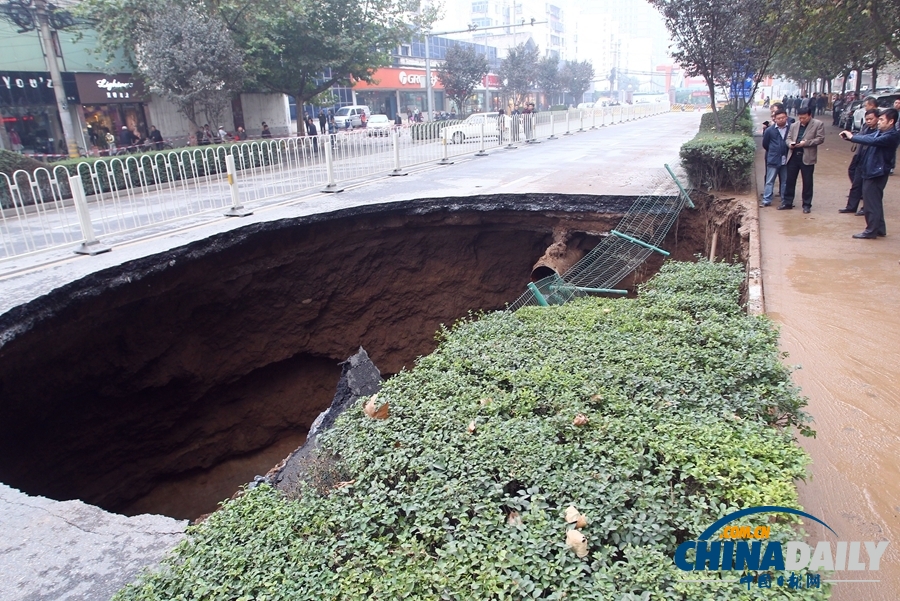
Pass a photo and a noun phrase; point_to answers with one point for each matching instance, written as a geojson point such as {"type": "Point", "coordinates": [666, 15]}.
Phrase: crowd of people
{"type": "Point", "coordinates": [791, 150]}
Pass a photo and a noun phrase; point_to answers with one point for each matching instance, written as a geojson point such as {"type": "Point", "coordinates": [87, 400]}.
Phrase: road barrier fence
{"type": "Point", "coordinates": [150, 190]}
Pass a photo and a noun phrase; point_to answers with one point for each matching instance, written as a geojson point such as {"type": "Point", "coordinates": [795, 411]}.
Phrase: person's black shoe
{"type": "Point", "coordinates": [785, 207]}
{"type": "Point", "coordinates": [864, 236]}
{"type": "Point", "coordinates": [806, 209]}
{"type": "Point", "coordinates": [765, 204]}
{"type": "Point", "coordinates": [846, 210]}
{"type": "Point", "coordinates": [881, 234]}
{"type": "Point", "coordinates": [860, 213]}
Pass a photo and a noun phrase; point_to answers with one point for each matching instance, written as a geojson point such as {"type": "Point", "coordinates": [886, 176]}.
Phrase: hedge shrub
{"type": "Point", "coordinates": [11, 162]}
{"type": "Point", "coordinates": [719, 161]}
{"type": "Point", "coordinates": [744, 123]}
{"type": "Point", "coordinates": [460, 493]}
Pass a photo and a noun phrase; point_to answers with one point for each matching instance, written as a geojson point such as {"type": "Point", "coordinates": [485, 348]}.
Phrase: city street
{"type": "Point", "coordinates": [619, 159]}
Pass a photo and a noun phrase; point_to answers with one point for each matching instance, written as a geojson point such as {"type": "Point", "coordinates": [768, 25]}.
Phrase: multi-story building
{"type": "Point", "coordinates": [552, 31]}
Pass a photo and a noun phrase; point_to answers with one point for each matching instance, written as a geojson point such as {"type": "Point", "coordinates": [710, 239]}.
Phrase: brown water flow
{"type": "Point", "coordinates": [838, 303]}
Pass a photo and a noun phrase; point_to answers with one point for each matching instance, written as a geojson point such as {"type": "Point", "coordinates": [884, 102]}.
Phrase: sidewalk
{"type": "Point", "coordinates": [837, 301]}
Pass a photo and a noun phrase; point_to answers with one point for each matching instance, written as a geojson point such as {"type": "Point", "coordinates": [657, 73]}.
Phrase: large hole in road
{"type": "Point", "coordinates": [162, 385]}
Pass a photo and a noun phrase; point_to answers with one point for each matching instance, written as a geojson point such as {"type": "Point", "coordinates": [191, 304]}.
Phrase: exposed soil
{"type": "Point", "coordinates": [161, 384]}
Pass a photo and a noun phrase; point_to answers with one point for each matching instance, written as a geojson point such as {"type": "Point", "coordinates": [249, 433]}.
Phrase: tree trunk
{"type": "Point", "coordinates": [858, 80]}
{"type": "Point", "coordinates": [712, 101]}
{"type": "Point", "coordinates": [874, 78]}
{"type": "Point", "coordinates": [301, 115]}
{"type": "Point", "coordinates": [845, 75]}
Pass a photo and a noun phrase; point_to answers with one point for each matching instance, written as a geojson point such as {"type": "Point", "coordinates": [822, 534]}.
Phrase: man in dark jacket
{"type": "Point", "coordinates": [880, 156]}
{"type": "Point", "coordinates": [126, 139]}
{"type": "Point", "coordinates": [774, 142]}
{"type": "Point", "coordinates": [870, 126]}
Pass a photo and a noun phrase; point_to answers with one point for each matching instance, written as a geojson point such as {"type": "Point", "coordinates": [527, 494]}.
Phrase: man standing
{"type": "Point", "coordinates": [804, 137]}
{"type": "Point", "coordinates": [870, 125]}
{"type": "Point", "coordinates": [126, 139]}
{"type": "Point", "coordinates": [156, 138]}
{"type": "Point", "coordinates": [880, 155]}
{"type": "Point", "coordinates": [774, 142]}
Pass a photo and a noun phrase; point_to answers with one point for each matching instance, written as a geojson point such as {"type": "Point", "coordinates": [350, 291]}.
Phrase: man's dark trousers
{"type": "Point", "coordinates": [873, 205]}
{"type": "Point", "coordinates": [796, 167]}
{"type": "Point", "coordinates": [855, 189]}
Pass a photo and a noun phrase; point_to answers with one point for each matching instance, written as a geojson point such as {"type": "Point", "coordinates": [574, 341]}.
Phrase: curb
{"type": "Point", "coordinates": [756, 301]}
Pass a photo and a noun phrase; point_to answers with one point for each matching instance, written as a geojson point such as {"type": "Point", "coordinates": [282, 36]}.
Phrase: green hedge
{"type": "Point", "coordinates": [744, 123]}
{"type": "Point", "coordinates": [687, 404]}
{"type": "Point", "coordinates": [11, 162]}
{"type": "Point", "coordinates": [719, 161]}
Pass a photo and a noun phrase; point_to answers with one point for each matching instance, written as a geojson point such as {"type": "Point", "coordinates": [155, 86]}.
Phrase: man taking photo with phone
{"type": "Point", "coordinates": [876, 163]}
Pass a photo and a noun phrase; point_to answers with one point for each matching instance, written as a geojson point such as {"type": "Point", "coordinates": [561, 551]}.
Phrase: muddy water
{"type": "Point", "coordinates": [837, 301]}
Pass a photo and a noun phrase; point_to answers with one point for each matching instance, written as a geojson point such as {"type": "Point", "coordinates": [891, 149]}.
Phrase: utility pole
{"type": "Point", "coordinates": [59, 91]}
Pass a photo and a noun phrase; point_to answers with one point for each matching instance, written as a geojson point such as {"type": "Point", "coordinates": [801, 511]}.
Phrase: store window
{"type": "Point", "coordinates": [101, 119]}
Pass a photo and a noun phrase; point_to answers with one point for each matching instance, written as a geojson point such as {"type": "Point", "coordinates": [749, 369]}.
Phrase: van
{"type": "Point", "coordinates": [352, 113]}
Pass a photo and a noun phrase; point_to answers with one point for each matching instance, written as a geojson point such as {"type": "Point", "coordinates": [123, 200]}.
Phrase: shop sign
{"type": "Point", "coordinates": [25, 88]}
{"type": "Point", "coordinates": [96, 88]}
{"type": "Point", "coordinates": [490, 80]}
{"type": "Point", "coordinates": [394, 79]}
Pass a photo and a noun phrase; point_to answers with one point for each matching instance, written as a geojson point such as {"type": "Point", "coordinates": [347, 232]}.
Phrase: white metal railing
{"type": "Point", "coordinates": [133, 192]}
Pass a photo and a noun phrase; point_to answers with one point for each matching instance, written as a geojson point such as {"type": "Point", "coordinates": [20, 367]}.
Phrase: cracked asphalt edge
{"type": "Point", "coordinates": [69, 550]}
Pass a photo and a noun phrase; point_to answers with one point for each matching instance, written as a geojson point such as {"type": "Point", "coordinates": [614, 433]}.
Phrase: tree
{"type": "Point", "coordinates": [518, 71]}
{"type": "Point", "coordinates": [180, 50]}
{"type": "Point", "coordinates": [548, 77]}
{"type": "Point", "coordinates": [305, 47]}
{"type": "Point", "coordinates": [723, 45]}
{"type": "Point", "coordinates": [883, 17]}
{"type": "Point", "coordinates": [296, 47]}
{"type": "Point", "coordinates": [463, 68]}
{"type": "Point", "coordinates": [577, 77]}
{"type": "Point", "coordinates": [190, 69]}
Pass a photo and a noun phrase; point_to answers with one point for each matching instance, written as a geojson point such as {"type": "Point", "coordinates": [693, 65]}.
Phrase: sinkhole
{"type": "Point", "coordinates": [163, 384]}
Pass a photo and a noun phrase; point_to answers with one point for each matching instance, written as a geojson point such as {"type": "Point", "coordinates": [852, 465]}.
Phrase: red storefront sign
{"type": "Point", "coordinates": [490, 80]}
{"type": "Point", "coordinates": [400, 79]}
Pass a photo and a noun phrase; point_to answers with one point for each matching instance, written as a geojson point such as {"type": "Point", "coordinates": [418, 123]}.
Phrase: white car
{"type": "Point", "coordinates": [379, 125]}
{"type": "Point", "coordinates": [471, 128]}
{"type": "Point", "coordinates": [350, 114]}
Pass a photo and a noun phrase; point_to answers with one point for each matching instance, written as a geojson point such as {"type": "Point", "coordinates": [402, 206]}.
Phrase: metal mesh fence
{"type": "Point", "coordinates": [640, 233]}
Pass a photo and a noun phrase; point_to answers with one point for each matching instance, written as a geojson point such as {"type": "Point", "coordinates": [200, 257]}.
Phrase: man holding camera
{"type": "Point", "coordinates": [804, 137]}
{"type": "Point", "coordinates": [876, 163]}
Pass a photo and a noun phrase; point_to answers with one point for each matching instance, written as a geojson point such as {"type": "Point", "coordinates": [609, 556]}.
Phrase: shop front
{"type": "Point", "coordinates": [108, 103]}
{"type": "Point", "coordinates": [31, 123]}
{"type": "Point", "coordinates": [402, 91]}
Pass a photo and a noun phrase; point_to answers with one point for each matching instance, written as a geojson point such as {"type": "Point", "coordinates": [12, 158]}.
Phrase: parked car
{"type": "Point", "coordinates": [884, 101]}
{"type": "Point", "coordinates": [585, 105]}
{"type": "Point", "coordinates": [353, 114]}
{"type": "Point", "coordinates": [846, 119]}
{"type": "Point", "coordinates": [379, 125]}
{"type": "Point", "coordinates": [472, 126]}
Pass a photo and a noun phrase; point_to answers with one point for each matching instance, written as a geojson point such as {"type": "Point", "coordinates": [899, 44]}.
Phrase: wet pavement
{"type": "Point", "coordinates": [837, 301]}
